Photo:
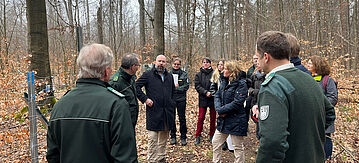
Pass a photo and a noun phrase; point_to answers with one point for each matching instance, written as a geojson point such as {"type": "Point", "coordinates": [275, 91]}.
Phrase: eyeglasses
{"type": "Point", "coordinates": [177, 64]}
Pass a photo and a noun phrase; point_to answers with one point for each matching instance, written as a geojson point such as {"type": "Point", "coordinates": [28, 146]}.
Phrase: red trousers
{"type": "Point", "coordinates": [201, 117]}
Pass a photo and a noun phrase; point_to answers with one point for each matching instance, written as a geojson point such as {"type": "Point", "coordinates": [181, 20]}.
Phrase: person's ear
{"type": "Point", "coordinates": [108, 71]}
{"type": "Point", "coordinates": [266, 57]}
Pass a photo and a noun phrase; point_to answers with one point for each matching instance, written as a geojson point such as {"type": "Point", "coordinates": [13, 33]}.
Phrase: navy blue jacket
{"type": "Point", "coordinates": [228, 101]}
{"type": "Point", "coordinates": [298, 64]}
{"type": "Point", "coordinates": [161, 93]}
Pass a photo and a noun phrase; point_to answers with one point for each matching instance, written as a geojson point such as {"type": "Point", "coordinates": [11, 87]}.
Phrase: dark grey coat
{"type": "Point", "coordinates": [332, 94]}
{"type": "Point", "coordinates": [161, 93]}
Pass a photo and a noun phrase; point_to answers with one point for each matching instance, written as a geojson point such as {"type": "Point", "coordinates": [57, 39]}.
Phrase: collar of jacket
{"type": "Point", "coordinates": [230, 83]}
{"type": "Point", "coordinates": [207, 71]}
{"type": "Point", "coordinates": [259, 74]}
{"type": "Point", "coordinates": [178, 71]}
{"type": "Point", "coordinates": [92, 81]}
{"type": "Point", "coordinates": [125, 75]}
{"type": "Point", "coordinates": [175, 71]}
{"type": "Point", "coordinates": [253, 67]}
{"type": "Point", "coordinates": [296, 61]}
{"type": "Point", "coordinates": [317, 77]}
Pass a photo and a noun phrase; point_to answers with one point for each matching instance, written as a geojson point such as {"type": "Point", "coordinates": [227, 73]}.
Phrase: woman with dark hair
{"type": "Point", "coordinates": [320, 70]}
{"type": "Point", "coordinates": [232, 117]}
{"type": "Point", "coordinates": [202, 84]}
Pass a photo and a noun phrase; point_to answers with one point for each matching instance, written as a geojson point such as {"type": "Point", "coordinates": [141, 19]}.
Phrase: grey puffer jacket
{"type": "Point", "coordinates": [331, 93]}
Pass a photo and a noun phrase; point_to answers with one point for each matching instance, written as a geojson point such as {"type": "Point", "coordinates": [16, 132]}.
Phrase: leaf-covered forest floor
{"type": "Point", "coordinates": [15, 136]}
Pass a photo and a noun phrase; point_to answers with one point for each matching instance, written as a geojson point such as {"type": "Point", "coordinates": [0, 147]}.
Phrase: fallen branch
{"type": "Point", "coordinates": [345, 149]}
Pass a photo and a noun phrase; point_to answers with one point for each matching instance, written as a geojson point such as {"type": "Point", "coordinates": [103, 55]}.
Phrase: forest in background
{"type": "Point", "coordinates": [219, 29]}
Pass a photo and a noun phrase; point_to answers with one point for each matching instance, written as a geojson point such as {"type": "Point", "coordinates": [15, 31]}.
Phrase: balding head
{"type": "Point", "coordinates": [160, 63]}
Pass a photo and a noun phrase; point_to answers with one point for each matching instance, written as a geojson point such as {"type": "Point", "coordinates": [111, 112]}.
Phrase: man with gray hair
{"type": "Point", "coordinates": [91, 123]}
{"type": "Point", "coordinates": [159, 86]}
{"type": "Point", "coordinates": [124, 82]}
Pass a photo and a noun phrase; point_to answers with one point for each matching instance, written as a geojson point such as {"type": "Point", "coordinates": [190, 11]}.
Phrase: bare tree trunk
{"type": "Point", "coordinates": [258, 2]}
{"type": "Point", "coordinates": [348, 32]}
{"type": "Point", "coordinates": [6, 44]}
{"type": "Point", "coordinates": [222, 29]}
{"type": "Point", "coordinates": [177, 5]}
{"type": "Point", "coordinates": [112, 33]}
{"type": "Point", "coordinates": [307, 20]}
{"type": "Point", "coordinates": [120, 28]}
{"type": "Point", "coordinates": [246, 26]}
{"type": "Point", "coordinates": [240, 23]}
{"type": "Point", "coordinates": [192, 27]}
{"type": "Point", "coordinates": [344, 28]}
{"type": "Point", "coordinates": [100, 23]}
{"type": "Point", "coordinates": [356, 33]}
{"type": "Point", "coordinates": [142, 24]}
{"type": "Point", "coordinates": [231, 30]}
{"type": "Point", "coordinates": [206, 28]}
{"type": "Point", "coordinates": [318, 24]}
{"type": "Point", "coordinates": [38, 39]}
{"type": "Point", "coordinates": [169, 36]}
{"type": "Point", "coordinates": [236, 31]}
{"type": "Point", "coordinates": [159, 27]}
{"type": "Point", "coordinates": [186, 29]}
{"type": "Point", "coordinates": [68, 7]}
{"type": "Point", "coordinates": [88, 26]}
{"type": "Point", "coordinates": [281, 16]}
{"type": "Point", "coordinates": [77, 11]}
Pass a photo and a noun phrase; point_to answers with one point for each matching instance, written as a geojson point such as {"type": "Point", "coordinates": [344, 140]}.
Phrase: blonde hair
{"type": "Point", "coordinates": [215, 76]}
{"type": "Point", "coordinates": [233, 67]}
{"type": "Point", "coordinates": [216, 73]}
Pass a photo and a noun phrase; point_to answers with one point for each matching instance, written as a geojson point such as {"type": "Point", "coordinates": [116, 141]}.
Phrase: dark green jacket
{"type": "Point", "coordinates": [91, 124]}
{"type": "Point", "coordinates": [179, 93]}
{"type": "Point", "coordinates": [293, 115]}
{"type": "Point", "coordinates": [125, 84]}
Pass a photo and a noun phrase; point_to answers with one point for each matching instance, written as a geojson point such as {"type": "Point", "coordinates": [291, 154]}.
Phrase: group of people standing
{"type": "Point", "coordinates": [95, 122]}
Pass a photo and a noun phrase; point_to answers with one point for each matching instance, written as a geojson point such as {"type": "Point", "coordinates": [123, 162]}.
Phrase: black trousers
{"type": "Point", "coordinates": [181, 110]}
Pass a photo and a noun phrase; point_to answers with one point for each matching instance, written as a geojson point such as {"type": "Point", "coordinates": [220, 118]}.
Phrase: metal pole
{"type": "Point", "coordinates": [79, 40]}
{"type": "Point", "coordinates": [32, 117]}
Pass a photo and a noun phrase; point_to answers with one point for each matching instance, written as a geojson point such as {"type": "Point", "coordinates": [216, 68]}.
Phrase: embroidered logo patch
{"type": "Point", "coordinates": [115, 78]}
{"type": "Point", "coordinates": [264, 112]}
